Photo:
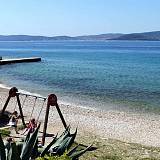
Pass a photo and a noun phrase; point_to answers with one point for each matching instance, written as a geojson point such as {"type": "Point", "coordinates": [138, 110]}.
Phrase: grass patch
{"type": "Point", "coordinates": [63, 157]}
{"type": "Point", "coordinates": [112, 149]}
{"type": "Point", "coordinates": [5, 132]}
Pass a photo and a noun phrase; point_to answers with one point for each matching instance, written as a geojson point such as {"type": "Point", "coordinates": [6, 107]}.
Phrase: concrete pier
{"type": "Point", "coordinates": [19, 60]}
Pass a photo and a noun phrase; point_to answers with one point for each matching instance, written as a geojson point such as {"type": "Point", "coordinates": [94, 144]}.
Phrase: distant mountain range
{"type": "Point", "coordinates": [149, 36]}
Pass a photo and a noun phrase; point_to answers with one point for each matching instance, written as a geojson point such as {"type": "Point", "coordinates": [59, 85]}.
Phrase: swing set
{"type": "Point", "coordinates": [51, 101]}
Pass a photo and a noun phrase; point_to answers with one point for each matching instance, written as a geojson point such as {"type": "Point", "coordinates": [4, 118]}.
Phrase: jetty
{"type": "Point", "coordinates": [19, 60]}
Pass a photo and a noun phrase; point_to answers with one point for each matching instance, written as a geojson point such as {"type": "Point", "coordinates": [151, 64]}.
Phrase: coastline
{"type": "Point", "coordinates": [129, 127]}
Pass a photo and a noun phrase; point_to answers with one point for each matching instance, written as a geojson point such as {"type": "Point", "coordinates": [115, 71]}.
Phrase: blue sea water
{"type": "Point", "coordinates": [98, 74]}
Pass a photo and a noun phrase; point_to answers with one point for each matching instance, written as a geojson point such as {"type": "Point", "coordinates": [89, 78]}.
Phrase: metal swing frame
{"type": "Point", "coordinates": [51, 101]}
{"type": "Point", "coordinates": [13, 92]}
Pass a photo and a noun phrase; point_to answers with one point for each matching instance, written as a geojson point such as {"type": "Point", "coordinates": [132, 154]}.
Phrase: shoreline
{"type": "Point", "coordinates": [124, 126]}
{"type": "Point", "coordinates": [7, 87]}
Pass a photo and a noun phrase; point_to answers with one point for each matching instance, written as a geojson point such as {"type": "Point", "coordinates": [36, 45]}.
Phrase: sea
{"type": "Point", "coordinates": [103, 75]}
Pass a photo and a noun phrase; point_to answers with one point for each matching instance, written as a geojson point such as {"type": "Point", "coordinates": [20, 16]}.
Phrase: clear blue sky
{"type": "Point", "coordinates": [78, 17]}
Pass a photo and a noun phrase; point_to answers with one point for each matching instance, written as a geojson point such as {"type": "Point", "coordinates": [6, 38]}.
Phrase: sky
{"type": "Point", "coordinates": [78, 17]}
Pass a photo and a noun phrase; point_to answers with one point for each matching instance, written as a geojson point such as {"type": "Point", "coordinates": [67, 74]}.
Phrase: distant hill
{"type": "Point", "coordinates": [32, 38]}
{"type": "Point", "coordinates": [39, 38]}
{"type": "Point", "coordinates": [100, 36]}
{"type": "Point", "coordinates": [151, 36]}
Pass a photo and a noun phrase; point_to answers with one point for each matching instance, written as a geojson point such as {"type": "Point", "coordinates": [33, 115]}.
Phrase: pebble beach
{"type": "Point", "coordinates": [125, 126]}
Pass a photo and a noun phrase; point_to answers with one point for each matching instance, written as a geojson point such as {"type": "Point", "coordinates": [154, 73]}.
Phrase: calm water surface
{"type": "Point", "coordinates": [104, 75]}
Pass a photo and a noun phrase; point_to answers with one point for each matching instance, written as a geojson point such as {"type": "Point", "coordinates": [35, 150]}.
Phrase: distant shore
{"type": "Point", "coordinates": [148, 36]}
{"type": "Point", "coordinates": [124, 126]}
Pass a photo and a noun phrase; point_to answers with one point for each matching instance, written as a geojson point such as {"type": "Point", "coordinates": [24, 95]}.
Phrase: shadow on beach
{"type": "Point", "coordinates": [4, 119]}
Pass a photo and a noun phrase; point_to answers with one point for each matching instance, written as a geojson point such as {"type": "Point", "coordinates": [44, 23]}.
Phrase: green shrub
{"type": "Point", "coordinates": [58, 149]}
